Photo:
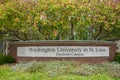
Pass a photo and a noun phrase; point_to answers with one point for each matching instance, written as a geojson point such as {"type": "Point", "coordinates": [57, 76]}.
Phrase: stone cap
{"type": "Point", "coordinates": [62, 41]}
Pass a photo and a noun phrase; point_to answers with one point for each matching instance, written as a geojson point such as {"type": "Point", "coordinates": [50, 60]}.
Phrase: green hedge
{"type": "Point", "coordinates": [2, 59]}
{"type": "Point", "coordinates": [117, 57]}
{"type": "Point", "coordinates": [6, 59]}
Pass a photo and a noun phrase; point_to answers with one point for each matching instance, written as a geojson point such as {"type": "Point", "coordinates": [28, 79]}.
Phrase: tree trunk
{"type": "Point", "coordinates": [72, 32]}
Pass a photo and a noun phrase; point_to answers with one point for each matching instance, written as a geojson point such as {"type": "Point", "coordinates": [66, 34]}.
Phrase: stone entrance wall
{"type": "Point", "coordinates": [112, 50]}
{"type": "Point", "coordinates": [118, 45]}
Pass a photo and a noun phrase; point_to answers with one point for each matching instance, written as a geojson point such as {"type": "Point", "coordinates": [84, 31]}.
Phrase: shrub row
{"type": "Point", "coordinates": [6, 59]}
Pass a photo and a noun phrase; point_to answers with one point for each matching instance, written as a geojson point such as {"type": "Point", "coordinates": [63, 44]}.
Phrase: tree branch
{"type": "Point", "coordinates": [72, 31]}
{"type": "Point", "coordinates": [99, 33]}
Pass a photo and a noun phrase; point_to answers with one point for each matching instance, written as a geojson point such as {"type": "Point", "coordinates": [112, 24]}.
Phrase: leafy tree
{"type": "Point", "coordinates": [60, 19]}
{"type": "Point", "coordinates": [4, 1]}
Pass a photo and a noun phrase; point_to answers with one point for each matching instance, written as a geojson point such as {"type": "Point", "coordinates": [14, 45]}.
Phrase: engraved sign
{"type": "Point", "coordinates": [63, 51]}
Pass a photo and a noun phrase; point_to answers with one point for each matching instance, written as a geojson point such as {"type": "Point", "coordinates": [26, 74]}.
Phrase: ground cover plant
{"type": "Point", "coordinates": [60, 70]}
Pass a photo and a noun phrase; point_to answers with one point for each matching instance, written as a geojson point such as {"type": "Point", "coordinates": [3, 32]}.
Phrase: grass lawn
{"type": "Point", "coordinates": [60, 71]}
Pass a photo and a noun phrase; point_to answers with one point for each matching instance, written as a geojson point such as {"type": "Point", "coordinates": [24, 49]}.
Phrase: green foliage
{"type": "Point", "coordinates": [6, 73]}
{"type": "Point", "coordinates": [4, 1]}
{"type": "Point", "coordinates": [60, 19]}
{"type": "Point", "coordinates": [2, 59]}
{"type": "Point", "coordinates": [113, 69]}
{"type": "Point", "coordinates": [51, 68]}
{"type": "Point", "coordinates": [57, 68]}
{"type": "Point", "coordinates": [104, 68]}
{"type": "Point", "coordinates": [6, 59]}
{"type": "Point", "coordinates": [117, 57]}
{"type": "Point", "coordinates": [9, 59]}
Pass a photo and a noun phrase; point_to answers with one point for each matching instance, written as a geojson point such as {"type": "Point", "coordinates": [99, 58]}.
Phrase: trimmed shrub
{"type": "Point", "coordinates": [6, 59]}
{"type": "Point", "coordinates": [2, 59]}
{"type": "Point", "coordinates": [117, 57]}
{"type": "Point", "coordinates": [9, 59]}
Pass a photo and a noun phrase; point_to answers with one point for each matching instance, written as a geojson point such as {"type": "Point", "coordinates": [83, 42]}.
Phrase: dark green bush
{"type": "Point", "coordinates": [6, 59]}
{"type": "Point", "coordinates": [2, 59]}
{"type": "Point", "coordinates": [9, 59]}
{"type": "Point", "coordinates": [117, 57]}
